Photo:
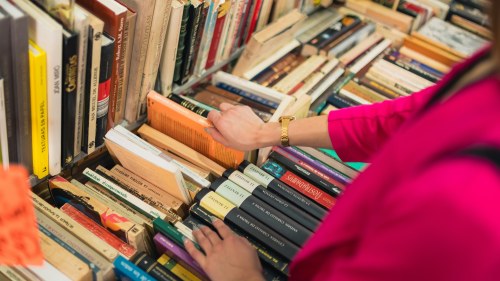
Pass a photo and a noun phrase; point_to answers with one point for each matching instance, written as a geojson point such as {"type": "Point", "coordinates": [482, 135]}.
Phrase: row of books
{"type": "Point", "coordinates": [72, 71]}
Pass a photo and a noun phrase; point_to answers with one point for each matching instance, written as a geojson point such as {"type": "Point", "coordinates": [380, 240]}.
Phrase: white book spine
{"type": "Point", "coordinates": [371, 55]}
{"type": "Point", "coordinates": [326, 84]}
{"type": "Point", "coordinates": [48, 272]}
{"type": "Point", "coordinates": [167, 64]}
{"type": "Point", "coordinates": [228, 24]}
{"type": "Point", "coordinates": [353, 97]}
{"type": "Point", "coordinates": [207, 37]}
{"type": "Point", "coordinates": [3, 129]}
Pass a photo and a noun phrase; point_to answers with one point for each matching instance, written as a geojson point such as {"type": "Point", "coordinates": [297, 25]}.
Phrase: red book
{"type": "Point", "coordinates": [219, 26]}
{"type": "Point", "coordinates": [115, 242]}
{"type": "Point", "coordinates": [254, 17]}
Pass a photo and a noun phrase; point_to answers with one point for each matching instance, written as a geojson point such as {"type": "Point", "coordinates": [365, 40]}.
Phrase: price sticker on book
{"type": "Point", "coordinates": [19, 240]}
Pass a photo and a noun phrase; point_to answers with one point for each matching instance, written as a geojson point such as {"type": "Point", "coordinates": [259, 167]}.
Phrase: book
{"type": "Point", "coordinates": [432, 51]}
{"type": "Point", "coordinates": [239, 99]}
{"type": "Point", "coordinates": [177, 269]}
{"type": "Point", "coordinates": [283, 190]}
{"type": "Point", "coordinates": [195, 23]}
{"type": "Point", "coordinates": [229, 213]}
{"type": "Point", "coordinates": [181, 47]}
{"type": "Point", "coordinates": [472, 27]}
{"type": "Point", "coordinates": [144, 10]}
{"type": "Point", "coordinates": [321, 159]}
{"type": "Point", "coordinates": [414, 66]}
{"type": "Point", "coordinates": [222, 11]}
{"type": "Point", "coordinates": [280, 172]}
{"type": "Point", "coordinates": [9, 144]}
{"type": "Point", "coordinates": [169, 55]}
{"type": "Point", "coordinates": [114, 15]}
{"type": "Point", "coordinates": [262, 211]}
{"type": "Point", "coordinates": [82, 27]}
{"type": "Point", "coordinates": [189, 105]}
{"type": "Point", "coordinates": [153, 268]}
{"type": "Point", "coordinates": [4, 143]}
{"type": "Point", "coordinates": [424, 59]}
{"type": "Point", "coordinates": [351, 41]}
{"type": "Point", "coordinates": [103, 101]}
{"type": "Point", "coordinates": [204, 217]}
{"type": "Point", "coordinates": [360, 94]}
{"type": "Point", "coordinates": [63, 260]}
{"type": "Point", "coordinates": [11, 274]}
{"type": "Point", "coordinates": [158, 170]}
{"type": "Point", "coordinates": [47, 34]}
{"type": "Point", "coordinates": [167, 143]}
{"type": "Point", "coordinates": [361, 48]}
{"type": "Point", "coordinates": [64, 192]}
{"type": "Point", "coordinates": [200, 35]}
{"type": "Point", "coordinates": [232, 35]}
{"type": "Point", "coordinates": [189, 128]}
{"type": "Point", "coordinates": [316, 23]}
{"type": "Point", "coordinates": [288, 85]}
{"type": "Point", "coordinates": [95, 39]}
{"type": "Point", "coordinates": [166, 246]}
{"type": "Point", "coordinates": [206, 40]}
{"type": "Point", "coordinates": [47, 271]}
{"type": "Point", "coordinates": [38, 88]}
{"type": "Point", "coordinates": [101, 232]}
{"type": "Point", "coordinates": [161, 17]}
{"type": "Point", "coordinates": [126, 270]}
{"type": "Point", "coordinates": [69, 96]}
{"type": "Point", "coordinates": [382, 14]}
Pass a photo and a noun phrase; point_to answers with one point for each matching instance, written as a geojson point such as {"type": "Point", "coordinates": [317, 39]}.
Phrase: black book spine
{"type": "Point", "coordinates": [233, 216]}
{"type": "Point", "coordinates": [272, 199]}
{"type": "Point", "coordinates": [305, 174]}
{"type": "Point", "coordinates": [153, 268]}
{"type": "Point", "coordinates": [189, 105]}
{"type": "Point", "coordinates": [339, 101]}
{"type": "Point", "coordinates": [261, 211]}
{"type": "Point", "coordinates": [198, 36]}
{"type": "Point", "coordinates": [182, 43]}
{"type": "Point", "coordinates": [195, 16]}
{"type": "Point", "coordinates": [70, 76]}
{"type": "Point", "coordinates": [282, 189]}
{"type": "Point", "coordinates": [86, 143]}
{"type": "Point", "coordinates": [201, 215]}
{"type": "Point", "coordinates": [105, 72]}
{"type": "Point", "coordinates": [6, 74]}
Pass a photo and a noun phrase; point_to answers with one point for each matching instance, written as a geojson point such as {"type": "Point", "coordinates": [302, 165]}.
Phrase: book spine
{"type": "Point", "coordinates": [153, 268]}
{"type": "Point", "coordinates": [272, 199]}
{"type": "Point", "coordinates": [99, 231]}
{"type": "Point", "coordinates": [104, 90]}
{"type": "Point", "coordinates": [304, 187]}
{"type": "Point", "coordinates": [182, 43]}
{"type": "Point", "coordinates": [241, 26]}
{"type": "Point", "coordinates": [195, 17]}
{"type": "Point", "coordinates": [189, 105]}
{"type": "Point", "coordinates": [125, 270]}
{"type": "Point", "coordinates": [319, 168]}
{"type": "Point", "coordinates": [414, 67]}
{"type": "Point", "coordinates": [265, 255]}
{"type": "Point", "coordinates": [240, 99]}
{"type": "Point", "coordinates": [283, 190]}
{"type": "Point", "coordinates": [379, 88]}
{"type": "Point", "coordinates": [122, 78]}
{"type": "Point", "coordinates": [333, 186]}
{"type": "Point", "coordinates": [200, 35]}
{"type": "Point", "coordinates": [21, 90]}
{"type": "Point", "coordinates": [248, 95]}
{"type": "Point", "coordinates": [165, 245]}
{"type": "Point", "coordinates": [70, 78]}
{"type": "Point", "coordinates": [92, 89]}
{"type": "Point", "coordinates": [217, 33]}
{"type": "Point", "coordinates": [263, 212]}
{"type": "Point", "coordinates": [253, 20]}
{"type": "Point", "coordinates": [177, 269]}
{"type": "Point", "coordinates": [227, 212]}
{"type": "Point", "coordinates": [115, 95]}
{"type": "Point", "coordinates": [82, 27]}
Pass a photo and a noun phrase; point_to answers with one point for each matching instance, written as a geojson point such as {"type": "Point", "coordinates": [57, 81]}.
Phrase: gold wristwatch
{"type": "Point", "coordinates": [285, 121]}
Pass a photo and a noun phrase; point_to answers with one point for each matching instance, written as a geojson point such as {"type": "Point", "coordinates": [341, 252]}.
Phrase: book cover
{"type": "Point", "coordinates": [261, 211]}
{"type": "Point", "coordinates": [153, 268]}
{"type": "Point", "coordinates": [104, 90]}
{"type": "Point", "coordinates": [39, 126]}
{"type": "Point", "coordinates": [188, 128]}
{"type": "Point", "coordinates": [200, 35]}
{"type": "Point", "coordinates": [69, 96]}
{"type": "Point", "coordinates": [176, 268]}
{"type": "Point", "coordinates": [126, 270]}
{"type": "Point", "coordinates": [226, 31]}
{"type": "Point", "coordinates": [114, 15]}
{"type": "Point", "coordinates": [282, 189]}
{"type": "Point", "coordinates": [19, 89]}
{"type": "Point", "coordinates": [95, 35]}
{"type": "Point", "coordinates": [181, 47]}
{"type": "Point", "coordinates": [229, 213]}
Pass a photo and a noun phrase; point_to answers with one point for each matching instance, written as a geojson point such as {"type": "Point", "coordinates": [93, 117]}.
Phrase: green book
{"type": "Point", "coordinates": [171, 232]}
{"type": "Point", "coordinates": [182, 42]}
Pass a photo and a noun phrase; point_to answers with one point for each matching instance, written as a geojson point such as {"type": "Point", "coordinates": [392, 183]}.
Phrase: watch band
{"type": "Point", "coordinates": [285, 121]}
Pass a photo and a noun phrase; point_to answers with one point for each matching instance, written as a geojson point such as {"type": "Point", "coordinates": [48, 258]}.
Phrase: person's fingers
{"type": "Point", "coordinates": [225, 106]}
{"type": "Point", "coordinates": [211, 235]}
{"type": "Point", "coordinates": [214, 116]}
{"type": "Point", "coordinates": [198, 256]}
{"type": "Point", "coordinates": [222, 228]}
{"type": "Point", "coordinates": [202, 240]}
{"type": "Point", "coordinates": [217, 136]}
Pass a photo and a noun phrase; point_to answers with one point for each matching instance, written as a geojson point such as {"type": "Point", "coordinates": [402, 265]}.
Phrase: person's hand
{"type": "Point", "coordinates": [238, 127]}
{"type": "Point", "coordinates": [231, 258]}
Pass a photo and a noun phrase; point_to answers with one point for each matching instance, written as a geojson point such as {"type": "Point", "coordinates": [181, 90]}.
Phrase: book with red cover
{"type": "Point", "coordinates": [114, 25]}
{"type": "Point", "coordinates": [219, 26]}
{"type": "Point", "coordinates": [253, 17]}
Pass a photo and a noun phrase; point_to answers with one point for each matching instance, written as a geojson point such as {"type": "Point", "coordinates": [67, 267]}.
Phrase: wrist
{"type": "Point", "coordinates": [269, 134]}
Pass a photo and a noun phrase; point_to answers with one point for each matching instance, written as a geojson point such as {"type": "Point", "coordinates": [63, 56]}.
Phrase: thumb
{"type": "Point", "coordinates": [214, 116]}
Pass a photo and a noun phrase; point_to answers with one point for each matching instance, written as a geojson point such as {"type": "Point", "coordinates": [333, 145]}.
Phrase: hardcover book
{"type": "Point", "coordinates": [105, 72]}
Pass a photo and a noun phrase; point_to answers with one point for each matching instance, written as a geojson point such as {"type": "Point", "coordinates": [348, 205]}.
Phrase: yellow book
{"type": "Point", "coordinates": [38, 83]}
{"type": "Point", "coordinates": [177, 269]}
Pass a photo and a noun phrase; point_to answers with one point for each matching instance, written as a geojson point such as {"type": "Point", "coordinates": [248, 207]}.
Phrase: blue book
{"type": "Point", "coordinates": [127, 271]}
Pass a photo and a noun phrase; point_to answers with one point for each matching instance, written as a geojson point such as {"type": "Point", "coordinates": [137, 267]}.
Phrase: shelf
{"type": "Point", "coordinates": [192, 82]}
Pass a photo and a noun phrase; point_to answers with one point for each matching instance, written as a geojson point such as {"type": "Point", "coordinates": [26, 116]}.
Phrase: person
{"type": "Point", "coordinates": [423, 210]}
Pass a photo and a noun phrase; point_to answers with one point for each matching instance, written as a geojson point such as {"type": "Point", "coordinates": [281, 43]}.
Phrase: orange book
{"type": "Point", "coordinates": [188, 128]}
{"type": "Point", "coordinates": [431, 51]}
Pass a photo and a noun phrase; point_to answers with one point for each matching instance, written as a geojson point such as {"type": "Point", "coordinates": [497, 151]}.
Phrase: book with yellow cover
{"type": "Point", "coordinates": [188, 128]}
{"type": "Point", "coordinates": [38, 82]}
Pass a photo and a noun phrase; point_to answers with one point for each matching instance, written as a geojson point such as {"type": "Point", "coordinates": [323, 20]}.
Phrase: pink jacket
{"type": "Point", "coordinates": [420, 211]}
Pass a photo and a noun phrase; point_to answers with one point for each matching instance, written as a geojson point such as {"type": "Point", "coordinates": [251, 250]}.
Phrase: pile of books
{"type": "Point", "coordinates": [127, 216]}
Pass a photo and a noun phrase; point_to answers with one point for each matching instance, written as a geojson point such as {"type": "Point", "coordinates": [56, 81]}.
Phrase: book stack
{"type": "Point", "coordinates": [125, 209]}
